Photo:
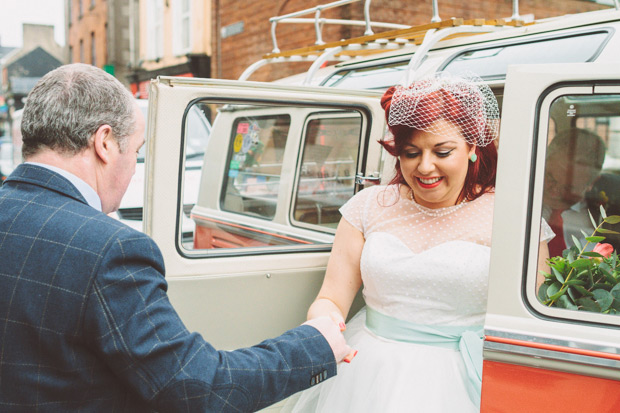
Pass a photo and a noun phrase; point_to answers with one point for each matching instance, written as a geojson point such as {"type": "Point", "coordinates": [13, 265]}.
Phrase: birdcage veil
{"type": "Point", "coordinates": [464, 100]}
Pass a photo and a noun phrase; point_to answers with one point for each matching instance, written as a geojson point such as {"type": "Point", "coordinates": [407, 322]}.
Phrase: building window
{"type": "Point", "coordinates": [182, 27]}
{"type": "Point", "coordinates": [70, 54]}
{"type": "Point", "coordinates": [154, 28]}
{"type": "Point", "coordinates": [92, 4]}
{"type": "Point", "coordinates": [105, 48]}
{"type": "Point", "coordinates": [81, 10]}
{"type": "Point", "coordinates": [93, 51]}
{"type": "Point", "coordinates": [81, 51]}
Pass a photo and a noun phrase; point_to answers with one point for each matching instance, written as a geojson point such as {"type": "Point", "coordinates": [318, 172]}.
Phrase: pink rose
{"type": "Point", "coordinates": [604, 249]}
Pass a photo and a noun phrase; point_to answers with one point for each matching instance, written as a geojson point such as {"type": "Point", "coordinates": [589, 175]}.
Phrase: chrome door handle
{"type": "Point", "coordinates": [363, 180]}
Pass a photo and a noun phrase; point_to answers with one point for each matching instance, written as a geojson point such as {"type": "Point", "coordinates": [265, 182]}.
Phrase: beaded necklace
{"type": "Point", "coordinates": [439, 212]}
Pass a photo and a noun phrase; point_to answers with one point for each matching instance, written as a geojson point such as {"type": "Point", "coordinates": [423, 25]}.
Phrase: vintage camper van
{"type": "Point", "coordinates": [281, 159]}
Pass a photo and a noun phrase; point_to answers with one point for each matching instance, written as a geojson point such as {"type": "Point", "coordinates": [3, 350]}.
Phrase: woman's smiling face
{"type": "Point", "coordinates": [435, 166]}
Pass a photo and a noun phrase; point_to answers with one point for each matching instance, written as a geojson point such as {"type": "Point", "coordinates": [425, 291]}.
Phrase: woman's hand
{"type": "Point", "coordinates": [331, 327]}
{"type": "Point", "coordinates": [337, 318]}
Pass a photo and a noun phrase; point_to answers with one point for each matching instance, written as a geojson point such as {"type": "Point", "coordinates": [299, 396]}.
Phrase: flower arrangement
{"type": "Point", "coordinates": [585, 280]}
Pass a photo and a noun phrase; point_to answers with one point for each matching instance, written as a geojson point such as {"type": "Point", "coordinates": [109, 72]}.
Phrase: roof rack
{"type": "Point", "coordinates": [425, 36]}
{"type": "Point", "coordinates": [319, 22]}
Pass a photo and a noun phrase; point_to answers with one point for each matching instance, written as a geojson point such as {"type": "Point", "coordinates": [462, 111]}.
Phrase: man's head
{"type": "Point", "coordinates": [79, 112]}
{"type": "Point", "coordinates": [69, 104]}
{"type": "Point", "coordinates": [574, 160]}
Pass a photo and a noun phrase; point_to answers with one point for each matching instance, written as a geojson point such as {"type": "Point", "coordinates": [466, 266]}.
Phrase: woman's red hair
{"type": "Point", "coordinates": [442, 104]}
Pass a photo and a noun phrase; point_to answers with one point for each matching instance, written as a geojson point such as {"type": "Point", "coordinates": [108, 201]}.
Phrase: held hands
{"type": "Point", "coordinates": [331, 328]}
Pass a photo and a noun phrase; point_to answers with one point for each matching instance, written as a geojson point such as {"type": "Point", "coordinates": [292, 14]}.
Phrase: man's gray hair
{"type": "Point", "coordinates": [67, 106]}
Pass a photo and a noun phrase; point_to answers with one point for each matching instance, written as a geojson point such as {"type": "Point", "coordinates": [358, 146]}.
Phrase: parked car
{"type": "Point", "coordinates": [16, 137]}
{"type": "Point", "coordinates": [6, 157]}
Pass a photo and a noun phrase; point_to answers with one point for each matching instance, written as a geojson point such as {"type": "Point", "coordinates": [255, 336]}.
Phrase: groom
{"type": "Point", "coordinates": [85, 321]}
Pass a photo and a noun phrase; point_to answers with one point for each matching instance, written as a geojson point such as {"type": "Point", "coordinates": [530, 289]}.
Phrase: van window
{"type": "Point", "coordinates": [581, 188]}
{"type": "Point", "coordinates": [379, 77]}
{"type": "Point", "coordinates": [327, 175]}
{"type": "Point", "coordinates": [492, 62]}
{"type": "Point", "coordinates": [272, 178]}
{"type": "Point", "coordinates": [255, 154]}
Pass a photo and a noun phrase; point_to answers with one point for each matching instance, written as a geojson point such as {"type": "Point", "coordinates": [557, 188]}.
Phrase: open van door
{"type": "Point", "coordinates": [556, 346]}
{"type": "Point", "coordinates": [278, 164]}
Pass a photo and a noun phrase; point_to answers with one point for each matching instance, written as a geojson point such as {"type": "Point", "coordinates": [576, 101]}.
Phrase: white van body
{"type": "Point", "coordinates": [282, 157]}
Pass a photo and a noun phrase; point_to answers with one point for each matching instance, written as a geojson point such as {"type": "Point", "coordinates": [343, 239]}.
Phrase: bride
{"type": "Point", "coordinates": [420, 247]}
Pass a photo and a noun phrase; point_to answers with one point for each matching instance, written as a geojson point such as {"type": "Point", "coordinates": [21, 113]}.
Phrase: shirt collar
{"type": "Point", "coordinates": [86, 190]}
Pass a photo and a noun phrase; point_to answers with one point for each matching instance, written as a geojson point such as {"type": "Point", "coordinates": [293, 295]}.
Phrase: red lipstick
{"type": "Point", "coordinates": [429, 186]}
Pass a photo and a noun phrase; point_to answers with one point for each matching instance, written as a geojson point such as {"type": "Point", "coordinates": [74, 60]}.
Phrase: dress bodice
{"type": "Point", "coordinates": [444, 285]}
{"type": "Point", "coordinates": [420, 265]}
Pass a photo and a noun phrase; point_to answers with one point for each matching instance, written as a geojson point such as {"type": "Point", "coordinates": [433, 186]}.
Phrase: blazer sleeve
{"type": "Point", "coordinates": [136, 331]}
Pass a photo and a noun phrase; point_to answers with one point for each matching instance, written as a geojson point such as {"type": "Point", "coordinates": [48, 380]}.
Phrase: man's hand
{"type": "Point", "coordinates": [331, 328]}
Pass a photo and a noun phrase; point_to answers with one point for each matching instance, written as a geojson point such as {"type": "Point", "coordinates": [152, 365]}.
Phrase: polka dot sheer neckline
{"type": "Point", "coordinates": [385, 209]}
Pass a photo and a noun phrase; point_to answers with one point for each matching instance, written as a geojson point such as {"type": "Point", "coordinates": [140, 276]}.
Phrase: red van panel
{"type": "Point", "coordinates": [512, 388]}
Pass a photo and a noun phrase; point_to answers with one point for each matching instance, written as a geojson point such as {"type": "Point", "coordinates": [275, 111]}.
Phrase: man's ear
{"type": "Point", "coordinates": [103, 142]}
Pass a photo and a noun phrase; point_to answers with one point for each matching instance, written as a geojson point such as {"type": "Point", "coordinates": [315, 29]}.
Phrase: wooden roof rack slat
{"type": "Point", "coordinates": [412, 35]}
{"type": "Point", "coordinates": [390, 35]}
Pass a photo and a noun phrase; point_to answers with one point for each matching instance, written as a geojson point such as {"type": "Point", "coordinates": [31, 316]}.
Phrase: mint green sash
{"type": "Point", "coordinates": [467, 339]}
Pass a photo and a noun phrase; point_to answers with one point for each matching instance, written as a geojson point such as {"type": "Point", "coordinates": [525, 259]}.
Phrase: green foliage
{"type": "Point", "coordinates": [584, 280]}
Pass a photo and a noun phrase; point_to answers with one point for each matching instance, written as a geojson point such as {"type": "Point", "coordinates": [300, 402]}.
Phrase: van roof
{"type": "Point", "coordinates": [401, 44]}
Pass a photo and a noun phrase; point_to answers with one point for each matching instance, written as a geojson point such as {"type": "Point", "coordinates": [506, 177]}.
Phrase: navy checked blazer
{"type": "Point", "coordinates": [86, 325]}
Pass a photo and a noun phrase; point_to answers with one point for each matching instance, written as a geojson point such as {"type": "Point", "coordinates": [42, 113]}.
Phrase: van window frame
{"type": "Point", "coordinates": [230, 154]}
{"type": "Point", "coordinates": [365, 139]}
{"type": "Point", "coordinates": [378, 62]}
{"type": "Point", "coordinates": [371, 62]}
{"type": "Point", "coordinates": [534, 210]}
{"type": "Point", "coordinates": [608, 30]}
{"type": "Point", "coordinates": [298, 169]}
{"type": "Point", "coordinates": [369, 65]}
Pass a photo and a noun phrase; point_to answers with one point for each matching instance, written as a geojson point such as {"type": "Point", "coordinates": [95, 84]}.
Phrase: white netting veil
{"type": "Point", "coordinates": [463, 100]}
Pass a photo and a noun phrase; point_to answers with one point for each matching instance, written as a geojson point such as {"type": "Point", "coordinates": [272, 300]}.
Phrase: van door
{"type": "Point", "coordinates": [262, 202]}
{"type": "Point", "coordinates": [553, 327]}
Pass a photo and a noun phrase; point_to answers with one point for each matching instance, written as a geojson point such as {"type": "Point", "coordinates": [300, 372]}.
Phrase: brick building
{"type": "Point", "coordinates": [98, 33]}
{"type": "Point", "coordinates": [174, 38]}
{"type": "Point", "coordinates": [245, 32]}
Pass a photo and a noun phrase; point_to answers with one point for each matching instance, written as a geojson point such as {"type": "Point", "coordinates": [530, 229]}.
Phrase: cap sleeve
{"type": "Point", "coordinates": [356, 209]}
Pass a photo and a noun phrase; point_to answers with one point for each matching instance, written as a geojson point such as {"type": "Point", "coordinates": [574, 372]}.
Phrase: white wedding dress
{"type": "Point", "coordinates": [422, 266]}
